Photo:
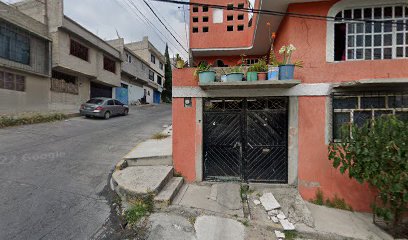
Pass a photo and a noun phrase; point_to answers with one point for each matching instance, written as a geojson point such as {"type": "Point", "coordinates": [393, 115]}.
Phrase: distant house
{"type": "Point", "coordinates": [278, 131]}
{"type": "Point", "coordinates": [149, 53]}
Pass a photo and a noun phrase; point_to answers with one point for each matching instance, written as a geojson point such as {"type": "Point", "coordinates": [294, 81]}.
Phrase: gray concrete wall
{"type": "Point", "coordinates": [67, 102]}
{"type": "Point", "coordinates": [33, 99]}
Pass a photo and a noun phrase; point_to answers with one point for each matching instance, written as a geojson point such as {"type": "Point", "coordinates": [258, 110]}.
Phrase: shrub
{"type": "Point", "coordinates": [377, 153]}
{"type": "Point", "coordinates": [8, 121]}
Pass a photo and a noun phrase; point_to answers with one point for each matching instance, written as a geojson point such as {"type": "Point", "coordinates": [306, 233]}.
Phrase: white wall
{"type": "Point", "coordinates": [149, 99]}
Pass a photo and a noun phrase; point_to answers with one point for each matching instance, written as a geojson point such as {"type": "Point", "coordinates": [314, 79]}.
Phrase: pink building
{"type": "Point", "coordinates": [278, 131]}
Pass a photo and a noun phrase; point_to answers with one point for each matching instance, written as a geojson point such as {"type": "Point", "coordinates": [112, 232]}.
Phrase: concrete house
{"type": "Point", "coordinates": [134, 76]}
{"type": "Point", "coordinates": [25, 62]}
{"type": "Point", "coordinates": [83, 65]}
{"type": "Point", "coordinates": [148, 52]}
{"type": "Point", "coordinates": [276, 131]}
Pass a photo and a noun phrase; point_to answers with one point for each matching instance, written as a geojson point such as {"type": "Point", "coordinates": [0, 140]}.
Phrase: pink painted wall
{"type": "Point", "coordinates": [184, 138]}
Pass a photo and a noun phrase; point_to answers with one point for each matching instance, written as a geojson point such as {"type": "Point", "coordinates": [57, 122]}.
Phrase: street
{"type": "Point", "coordinates": [52, 174]}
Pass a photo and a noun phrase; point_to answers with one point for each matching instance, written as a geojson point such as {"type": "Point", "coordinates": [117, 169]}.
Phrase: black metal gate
{"type": "Point", "coordinates": [246, 139]}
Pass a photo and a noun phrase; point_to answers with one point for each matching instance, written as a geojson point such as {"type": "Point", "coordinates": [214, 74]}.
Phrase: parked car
{"type": "Point", "coordinates": [103, 108]}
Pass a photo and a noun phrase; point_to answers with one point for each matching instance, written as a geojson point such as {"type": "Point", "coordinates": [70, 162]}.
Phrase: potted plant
{"type": "Point", "coordinates": [235, 74]}
{"type": "Point", "coordinates": [286, 68]}
{"type": "Point", "coordinates": [204, 73]}
{"type": "Point", "coordinates": [252, 74]}
{"type": "Point", "coordinates": [179, 62]}
{"type": "Point", "coordinates": [262, 69]}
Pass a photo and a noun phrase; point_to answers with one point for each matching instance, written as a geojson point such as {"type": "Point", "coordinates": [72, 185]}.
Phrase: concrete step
{"type": "Point", "coordinates": [168, 193]}
{"type": "Point", "coordinates": [154, 161]}
{"type": "Point", "coordinates": [141, 180]}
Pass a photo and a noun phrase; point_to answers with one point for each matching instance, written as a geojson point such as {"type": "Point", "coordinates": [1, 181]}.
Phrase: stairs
{"type": "Point", "coordinates": [168, 193]}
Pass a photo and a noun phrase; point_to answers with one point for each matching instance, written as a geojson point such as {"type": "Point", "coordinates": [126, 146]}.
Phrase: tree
{"type": "Point", "coordinates": [377, 153]}
{"type": "Point", "coordinates": [168, 83]}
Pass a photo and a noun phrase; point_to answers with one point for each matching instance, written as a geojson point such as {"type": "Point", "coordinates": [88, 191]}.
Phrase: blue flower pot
{"type": "Point", "coordinates": [273, 73]}
{"type": "Point", "coordinates": [206, 77]}
{"type": "Point", "coordinates": [252, 76]}
{"type": "Point", "coordinates": [286, 72]}
{"type": "Point", "coordinates": [235, 77]}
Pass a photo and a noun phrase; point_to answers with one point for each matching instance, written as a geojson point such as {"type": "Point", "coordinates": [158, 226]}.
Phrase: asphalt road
{"type": "Point", "coordinates": [52, 174]}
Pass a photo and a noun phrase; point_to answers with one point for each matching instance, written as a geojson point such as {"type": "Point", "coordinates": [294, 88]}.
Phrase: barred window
{"type": "Point", "coordinates": [79, 50]}
{"type": "Point", "coordinates": [12, 81]}
{"type": "Point", "coordinates": [151, 75]}
{"type": "Point", "coordinates": [384, 34]}
{"type": "Point", "coordinates": [65, 83]}
{"type": "Point", "coordinates": [109, 64]}
{"type": "Point", "coordinates": [14, 44]}
{"type": "Point", "coordinates": [362, 107]}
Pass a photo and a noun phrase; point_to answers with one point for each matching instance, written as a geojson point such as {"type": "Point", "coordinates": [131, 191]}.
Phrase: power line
{"type": "Point", "coordinates": [290, 14]}
{"type": "Point", "coordinates": [149, 22]}
{"type": "Point", "coordinates": [164, 19]}
{"type": "Point", "coordinates": [151, 9]}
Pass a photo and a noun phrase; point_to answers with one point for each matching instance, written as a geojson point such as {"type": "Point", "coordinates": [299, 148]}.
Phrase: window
{"type": "Point", "coordinates": [78, 50]}
{"type": "Point", "coordinates": [230, 28]}
{"type": "Point", "coordinates": [195, 19]}
{"type": "Point", "coordinates": [230, 6]}
{"type": "Point", "coordinates": [12, 81]}
{"type": "Point", "coordinates": [14, 44]}
{"type": "Point", "coordinates": [195, 8]}
{"type": "Point", "coordinates": [241, 17]}
{"type": "Point", "coordinates": [218, 15]}
{"type": "Point", "coordinates": [109, 64]}
{"type": "Point", "coordinates": [360, 108]}
{"type": "Point", "coordinates": [240, 28]}
{"type": "Point", "coordinates": [205, 29]}
{"type": "Point", "coordinates": [230, 17]}
{"type": "Point", "coordinates": [161, 65]}
{"type": "Point", "coordinates": [220, 63]}
{"type": "Point", "coordinates": [128, 58]}
{"type": "Point", "coordinates": [251, 61]}
{"type": "Point", "coordinates": [205, 8]}
{"type": "Point", "coordinates": [151, 75]}
{"type": "Point", "coordinates": [241, 6]}
{"type": "Point", "coordinates": [195, 29]}
{"type": "Point", "coordinates": [152, 58]}
{"type": "Point", "coordinates": [65, 83]}
{"type": "Point", "coordinates": [356, 40]}
{"type": "Point", "coordinates": [110, 103]}
{"type": "Point", "coordinates": [118, 103]}
{"type": "Point", "coordinates": [159, 80]}
{"type": "Point", "coordinates": [205, 19]}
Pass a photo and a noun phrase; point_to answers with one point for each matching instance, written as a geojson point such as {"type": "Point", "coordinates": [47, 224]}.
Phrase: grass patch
{"type": "Point", "coordinates": [245, 191]}
{"type": "Point", "coordinates": [9, 121]}
{"type": "Point", "coordinates": [159, 136]}
{"type": "Point", "coordinates": [244, 222]}
{"type": "Point", "coordinates": [192, 220]}
{"type": "Point", "coordinates": [336, 202]}
{"type": "Point", "coordinates": [291, 235]}
{"type": "Point", "coordinates": [140, 207]}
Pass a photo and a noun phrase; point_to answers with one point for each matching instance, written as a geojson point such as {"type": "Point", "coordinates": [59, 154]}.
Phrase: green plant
{"type": "Point", "coordinates": [8, 121]}
{"type": "Point", "coordinates": [159, 136]}
{"type": "Point", "coordinates": [234, 69]}
{"type": "Point", "coordinates": [336, 202]}
{"type": "Point", "coordinates": [290, 235]}
{"type": "Point", "coordinates": [377, 153]}
{"type": "Point", "coordinates": [259, 66]}
{"type": "Point", "coordinates": [202, 67]}
{"type": "Point", "coordinates": [319, 199]}
{"type": "Point", "coordinates": [287, 52]}
{"type": "Point", "coordinates": [140, 207]}
{"type": "Point", "coordinates": [168, 75]}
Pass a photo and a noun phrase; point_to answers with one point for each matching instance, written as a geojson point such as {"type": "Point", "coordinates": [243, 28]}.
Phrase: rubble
{"type": "Point", "coordinates": [269, 202]}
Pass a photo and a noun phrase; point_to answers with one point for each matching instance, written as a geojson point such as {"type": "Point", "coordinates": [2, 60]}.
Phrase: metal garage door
{"type": "Point", "coordinates": [99, 90]}
{"type": "Point", "coordinates": [245, 139]}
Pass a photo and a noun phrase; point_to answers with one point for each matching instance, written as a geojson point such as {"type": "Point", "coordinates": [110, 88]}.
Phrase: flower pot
{"type": "Point", "coordinates": [273, 73]}
{"type": "Point", "coordinates": [235, 77]}
{"type": "Point", "coordinates": [223, 78]}
{"type": "Point", "coordinates": [206, 76]}
{"type": "Point", "coordinates": [180, 64]}
{"type": "Point", "coordinates": [286, 72]}
{"type": "Point", "coordinates": [252, 76]}
{"type": "Point", "coordinates": [262, 76]}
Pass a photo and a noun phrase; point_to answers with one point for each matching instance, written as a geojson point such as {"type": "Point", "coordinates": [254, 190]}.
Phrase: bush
{"type": "Point", "coordinates": [377, 153]}
{"type": "Point", "coordinates": [9, 121]}
{"type": "Point", "coordinates": [140, 207]}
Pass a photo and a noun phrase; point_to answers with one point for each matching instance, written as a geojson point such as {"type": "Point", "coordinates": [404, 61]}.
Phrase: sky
{"type": "Point", "coordinates": [108, 18]}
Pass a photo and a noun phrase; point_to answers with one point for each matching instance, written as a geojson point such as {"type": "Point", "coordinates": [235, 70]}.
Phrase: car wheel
{"type": "Point", "coordinates": [87, 116]}
{"type": "Point", "coordinates": [126, 112]}
{"type": "Point", "coordinates": [107, 115]}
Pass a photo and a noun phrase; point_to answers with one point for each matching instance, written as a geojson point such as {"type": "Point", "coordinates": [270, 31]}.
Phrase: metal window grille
{"type": "Point", "coordinates": [14, 43]}
{"type": "Point", "coordinates": [64, 83]}
{"type": "Point", "coordinates": [79, 50]}
{"type": "Point", "coordinates": [11, 81]}
{"type": "Point", "coordinates": [151, 75]}
{"type": "Point", "coordinates": [109, 64]}
{"type": "Point", "coordinates": [376, 40]}
{"type": "Point", "coordinates": [360, 107]}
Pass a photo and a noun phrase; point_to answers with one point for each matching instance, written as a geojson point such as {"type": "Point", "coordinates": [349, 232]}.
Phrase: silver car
{"type": "Point", "coordinates": [103, 108]}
